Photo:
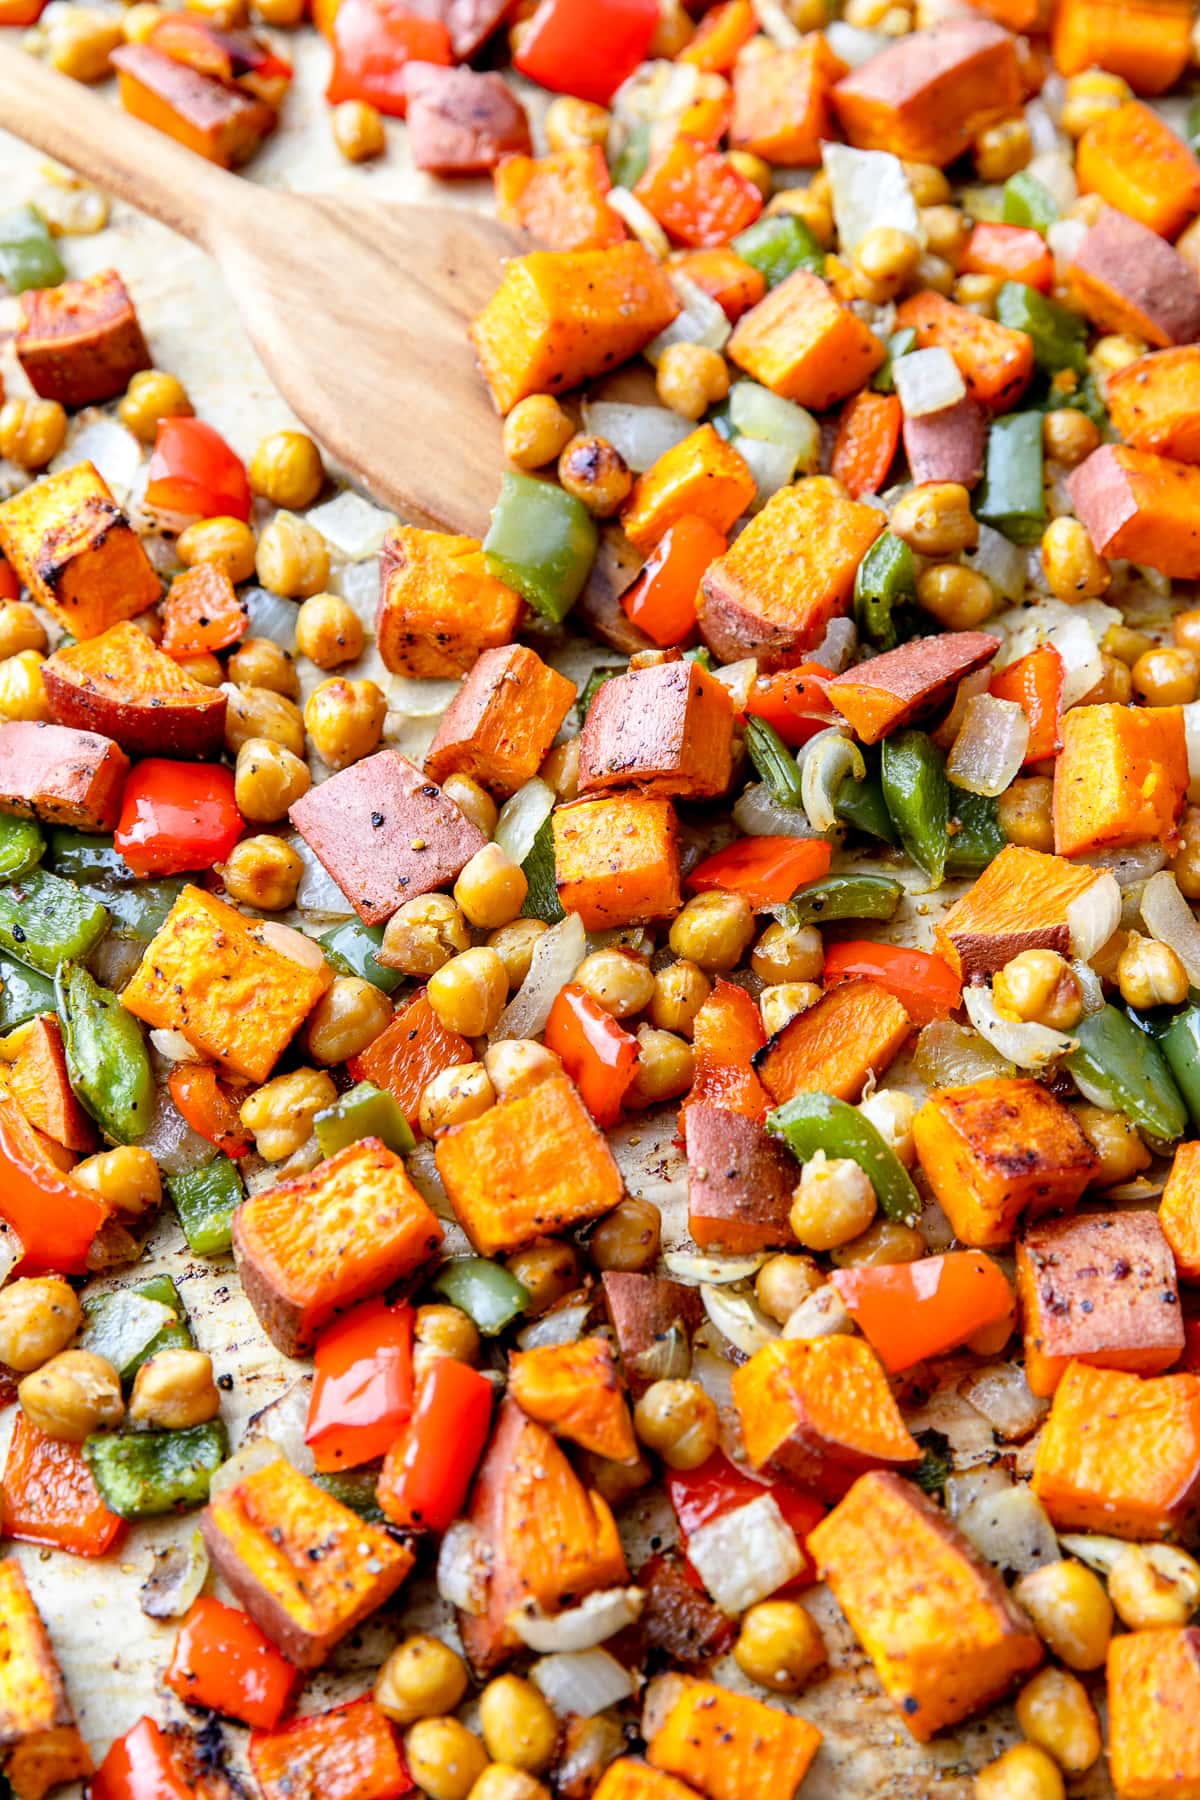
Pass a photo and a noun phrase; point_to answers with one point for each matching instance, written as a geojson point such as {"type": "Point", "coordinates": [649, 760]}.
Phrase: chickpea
{"type": "Point", "coordinates": [881, 1245]}
{"type": "Point", "coordinates": [500, 1781]}
{"type": "Point", "coordinates": [267, 779]}
{"type": "Point", "coordinates": [455, 1095]}
{"type": "Point", "coordinates": [444, 1758]}
{"type": "Point", "coordinates": [807, 15]}
{"type": "Point", "coordinates": [518, 1065]}
{"type": "Point", "coordinates": [261, 663]}
{"type": "Point", "coordinates": [20, 629]}
{"type": "Point", "coordinates": [1070, 1611]}
{"type": "Point", "coordinates": [927, 183]}
{"type": "Point", "coordinates": [203, 668]}
{"type": "Point", "coordinates": [892, 1112]}
{"type": "Point", "coordinates": [491, 889]}
{"type": "Point", "coordinates": [443, 1331]}
{"type": "Point", "coordinates": [1069, 436]}
{"type": "Point", "coordinates": [151, 397]}
{"type": "Point", "coordinates": [280, 1114]}
{"type": "Point", "coordinates": [812, 209]}
{"type": "Point", "coordinates": [1185, 864]}
{"type": "Point", "coordinates": [1025, 812]}
{"type": "Point", "coordinates": [537, 430]}
{"type": "Point", "coordinates": [229, 15]}
{"type": "Point", "coordinates": [344, 720]}
{"type": "Point", "coordinates": [679, 1421]}
{"type": "Point", "coordinates": [789, 953]}
{"type": "Point", "coordinates": [595, 473]}
{"type": "Point", "coordinates": [616, 1482]}
{"type": "Point", "coordinates": [779, 1645]}
{"type": "Point", "coordinates": [226, 543]}
{"type": "Point", "coordinates": [1165, 677]}
{"type": "Point", "coordinates": [422, 935]}
{"type": "Point", "coordinates": [833, 1202]}
{"type": "Point", "coordinates": [421, 1678]}
{"type": "Point", "coordinates": [1121, 1151]}
{"type": "Point", "coordinates": [1070, 564]}
{"type": "Point", "coordinates": [281, 13]}
{"type": "Point", "coordinates": [958, 597]}
{"type": "Point", "coordinates": [714, 931]}
{"type": "Point", "coordinates": [1055, 1713]}
{"type": "Point", "coordinates": [72, 1395]}
{"type": "Point", "coordinates": [548, 1271]}
{"type": "Point", "coordinates": [473, 801]}
{"type": "Point", "coordinates": [1023, 1773]}
{"type": "Point", "coordinates": [31, 431]}
{"type": "Point", "coordinates": [780, 1004]}
{"type": "Point", "coordinates": [754, 168]}
{"type": "Point", "coordinates": [263, 872]}
{"type": "Point", "coordinates": [517, 1724]}
{"type": "Point", "coordinates": [783, 1283]}
{"type": "Point", "coordinates": [663, 1069]}
{"type": "Point", "coordinates": [175, 1389]}
{"type": "Point", "coordinates": [38, 1317]}
{"type": "Point", "coordinates": [885, 260]}
{"type": "Point", "coordinates": [575, 124]}
{"type": "Point", "coordinates": [561, 769]}
{"type": "Point", "coordinates": [1039, 987]}
{"type": "Point", "coordinates": [1150, 974]}
{"type": "Point", "coordinates": [1154, 1585]}
{"type": "Point", "coordinates": [946, 231]}
{"type": "Point", "coordinates": [1114, 352]}
{"type": "Point", "coordinates": [468, 992]}
{"type": "Point", "coordinates": [139, 21]}
{"type": "Point", "coordinates": [680, 990]}
{"type": "Point", "coordinates": [350, 1014]}
{"type": "Point", "coordinates": [1125, 644]}
{"type": "Point", "coordinates": [1185, 629]}
{"type": "Point", "coordinates": [257, 712]}
{"type": "Point", "coordinates": [80, 42]}
{"type": "Point", "coordinates": [329, 631]}
{"type": "Point", "coordinates": [287, 470]}
{"type": "Point", "coordinates": [358, 132]}
{"type": "Point", "coordinates": [1089, 97]}
{"type": "Point", "coordinates": [1003, 149]}
{"type": "Point", "coordinates": [617, 980]}
{"type": "Point", "coordinates": [978, 292]}
{"type": "Point", "coordinates": [935, 519]}
{"type": "Point", "coordinates": [515, 944]}
{"type": "Point", "coordinates": [936, 273]}
{"type": "Point", "coordinates": [127, 1178]}
{"type": "Point", "coordinates": [691, 378]}
{"type": "Point", "coordinates": [292, 558]}
{"type": "Point", "coordinates": [628, 1238]}
{"type": "Point", "coordinates": [22, 690]}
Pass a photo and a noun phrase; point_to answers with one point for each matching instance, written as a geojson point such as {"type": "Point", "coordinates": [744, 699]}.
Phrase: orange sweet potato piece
{"type": "Point", "coordinates": [724, 31]}
{"type": "Point", "coordinates": [889, 690]}
{"type": "Point", "coordinates": [929, 96]}
{"type": "Point", "coordinates": [1140, 506]}
{"type": "Point", "coordinates": [740, 1182]}
{"type": "Point", "coordinates": [559, 318]}
{"type": "Point", "coordinates": [232, 56]}
{"type": "Point", "coordinates": [1121, 776]}
{"type": "Point", "coordinates": [1135, 162]}
{"type": "Point", "coordinates": [629, 1780]}
{"type": "Point", "coordinates": [725, 277]}
{"type": "Point", "coordinates": [305, 1567]}
{"type": "Point", "coordinates": [781, 103]}
{"type": "Point", "coordinates": [995, 361]}
{"type": "Point", "coordinates": [202, 613]}
{"type": "Point", "coordinates": [1146, 41]}
{"type": "Point", "coordinates": [1155, 402]}
{"type": "Point", "coordinates": [993, 1148]}
{"type": "Point", "coordinates": [576, 1392]}
{"type": "Point", "coordinates": [40, 1744]}
{"type": "Point", "coordinates": [937, 1621]}
{"type": "Point", "coordinates": [124, 686]}
{"type": "Point", "coordinates": [408, 1053]}
{"type": "Point", "coordinates": [61, 776]}
{"type": "Point", "coordinates": [1128, 279]}
{"type": "Point", "coordinates": [731, 1746]}
{"type": "Point", "coordinates": [219, 123]}
{"type": "Point", "coordinates": [702, 475]}
{"type": "Point", "coordinates": [80, 343]}
{"type": "Point", "coordinates": [1121, 1453]}
{"type": "Point", "coordinates": [440, 606]}
{"type": "Point", "coordinates": [646, 1312]}
{"type": "Point", "coordinates": [73, 548]}
{"type": "Point", "coordinates": [820, 1412]}
{"type": "Point", "coordinates": [501, 723]}
{"type": "Point", "coordinates": [560, 199]}
{"type": "Point", "coordinates": [855, 1030]}
{"type": "Point", "coordinates": [802, 343]}
{"type": "Point", "coordinates": [616, 860]}
{"type": "Point", "coordinates": [351, 1752]}
{"type": "Point", "coordinates": [667, 729]}
{"type": "Point", "coordinates": [533, 1165]}
{"type": "Point", "coordinates": [1179, 1211]}
{"type": "Point", "coordinates": [1022, 901]}
{"type": "Point", "coordinates": [38, 1082]}
{"type": "Point", "coordinates": [1154, 1714]}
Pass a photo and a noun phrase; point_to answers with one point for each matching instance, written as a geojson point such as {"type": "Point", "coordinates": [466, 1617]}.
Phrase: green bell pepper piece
{"type": "Point", "coordinates": [107, 1061]}
{"type": "Point", "coordinates": [1180, 1044]}
{"type": "Point", "coordinates": [1058, 336]}
{"type": "Point", "coordinates": [1028, 201]}
{"type": "Point", "coordinates": [899, 344]}
{"type": "Point", "coordinates": [138, 909]}
{"type": "Point", "coordinates": [700, 653]}
{"type": "Point", "coordinates": [206, 1200]}
{"type": "Point", "coordinates": [354, 1488]}
{"type": "Point", "coordinates": [28, 257]}
{"type": "Point", "coordinates": [130, 1325]}
{"type": "Point", "coordinates": [541, 898]}
{"type": "Point", "coordinates": [812, 1122]}
{"type": "Point", "coordinates": [361, 1112]}
{"type": "Point", "coordinates": [773, 762]}
{"type": "Point", "coordinates": [45, 921]}
{"type": "Point", "coordinates": [1192, 130]}
{"type": "Point", "coordinates": [542, 542]}
{"type": "Point", "coordinates": [887, 576]}
{"type": "Point", "coordinates": [979, 838]}
{"type": "Point", "coordinates": [1011, 497]}
{"type": "Point", "coordinates": [917, 794]}
{"type": "Point", "coordinates": [629, 164]}
{"type": "Point", "coordinates": [26, 995]}
{"type": "Point", "coordinates": [591, 688]}
{"type": "Point", "coordinates": [350, 949]}
{"type": "Point", "coordinates": [861, 804]}
{"type": "Point", "coordinates": [484, 1290]}
{"type": "Point", "coordinates": [22, 845]}
{"type": "Point", "coordinates": [1129, 1072]}
{"type": "Point", "coordinates": [143, 1473]}
{"type": "Point", "coordinates": [778, 246]}
{"type": "Point", "coordinates": [845, 897]}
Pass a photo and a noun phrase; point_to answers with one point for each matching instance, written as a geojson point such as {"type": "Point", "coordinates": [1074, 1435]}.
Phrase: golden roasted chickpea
{"type": "Point", "coordinates": [779, 1646]}
{"type": "Point", "coordinates": [778, 1005]}
{"type": "Point", "coordinates": [267, 780]}
{"type": "Point", "coordinates": [22, 689]}
{"type": "Point", "coordinates": [229, 15]}
{"type": "Point", "coordinates": [1114, 687]}
{"type": "Point", "coordinates": [1025, 812]}
{"type": "Point", "coordinates": [443, 1331]}
{"type": "Point", "coordinates": [678, 1421]}
{"type": "Point", "coordinates": [262, 663]}
{"type": "Point", "coordinates": [1154, 1586]}
{"type": "Point", "coordinates": [491, 889]}
{"type": "Point", "coordinates": [139, 20]}
{"type": "Point", "coordinates": [468, 992]}
{"type": "Point", "coordinates": [1089, 96]}
{"type": "Point", "coordinates": [72, 1395]}
{"type": "Point", "coordinates": [561, 770]}
{"type": "Point", "coordinates": [789, 953]}
{"type": "Point", "coordinates": [958, 598]}
{"type": "Point", "coordinates": [833, 1202]}
{"type": "Point", "coordinates": [680, 990]}
{"type": "Point", "coordinates": [548, 1271]}
{"type": "Point", "coordinates": [575, 124]}
{"type": "Point", "coordinates": [453, 1096]}
{"type": "Point", "coordinates": [257, 712]}
{"type": "Point", "coordinates": [617, 980]}
{"type": "Point", "coordinates": [31, 431]}
{"type": "Point", "coordinates": [263, 872]}
{"type": "Point", "coordinates": [420, 1679]}
{"type": "Point", "coordinates": [892, 1112]}
{"type": "Point", "coordinates": [1069, 436]}
{"type": "Point", "coordinates": [691, 378]}
{"type": "Point", "coordinates": [1070, 564]}
{"type": "Point", "coordinates": [927, 183]}
{"type": "Point", "coordinates": [1150, 974]}
{"type": "Point", "coordinates": [344, 720]}
{"type": "Point", "coordinates": [1116, 1142]}
{"type": "Point", "coordinates": [946, 231]}
{"type": "Point", "coordinates": [882, 1245]}
{"type": "Point", "coordinates": [1112, 353]}
{"type": "Point", "coordinates": [628, 1238]}
{"type": "Point", "coordinates": [978, 293]}
{"type": "Point", "coordinates": [1070, 1610]}
{"type": "Point", "coordinates": [1023, 1773]}
{"type": "Point", "coordinates": [127, 1178]}
{"type": "Point", "coordinates": [329, 631]}
{"type": "Point", "coordinates": [1003, 149]}
{"type": "Point", "coordinates": [422, 935]}
{"type": "Point", "coordinates": [1039, 987]}
{"type": "Point", "coordinates": [500, 1781]}
{"type": "Point", "coordinates": [785, 1282]}
{"type": "Point", "coordinates": [39, 1316]}
{"type": "Point", "coordinates": [444, 1758]}
{"type": "Point", "coordinates": [151, 397]}
{"type": "Point", "coordinates": [812, 209]}
{"type": "Point", "coordinates": [673, 32]}
{"type": "Point", "coordinates": [885, 260]}
{"type": "Point", "coordinates": [663, 1069]}
{"type": "Point", "coordinates": [714, 931]}
{"type": "Point", "coordinates": [292, 557]}
{"type": "Point", "coordinates": [174, 1390]}
{"type": "Point", "coordinates": [80, 41]}
{"type": "Point", "coordinates": [350, 1014]}
{"type": "Point", "coordinates": [1185, 864]}
{"type": "Point", "coordinates": [517, 1724]}
{"type": "Point", "coordinates": [287, 470]}
{"type": "Point", "coordinates": [537, 430]}
{"type": "Point", "coordinates": [1185, 629]}
{"type": "Point", "coordinates": [228, 544]}
{"type": "Point", "coordinates": [358, 131]}
{"type": "Point", "coordinates": [1055, 1713]}
{"type": "Point", "coordinates": [753, 168]}
{"type": "Point", "coordinates": [203, 668]}
{"type": "Point", "coordinates": [596, 473]}
{"type": "Point", "coordinates": [936, 273]}
{"type": "Point", "coordinates": [1126, 644]}
{"type": "Point", "coordinates": [518, 1065]}
{"type": "Point", "coordinates": [935, 519]}
{"type": "Point", "coordinates": [515, 944]}
{"type": "Point", "coordinates": [281, 13]}
{"type": "Point", "coordinates": [20, 629]}
{"type": "Point", "coordinates": [473, 801]}
{"type": "Point", "coordinates": [280, 1114]}
{"type": "Point", "coordinates": [1165, 677]}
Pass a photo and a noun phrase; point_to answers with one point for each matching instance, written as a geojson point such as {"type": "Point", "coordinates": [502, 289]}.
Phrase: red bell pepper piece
{"type": "Point", "coordinates": [204, 1105]}
{"type": "Point", "coordinates": [1012, 251]}
{"type": "Point", "coordinates": [717, 1487]}
{"type": "Point", "coordinates": [1035, 682]}
{"type": "Point", "coordinates": [596, 1052]}
{"type": "Point", "coordinates": [222, 1661]}
{"type": "Point", "coordinates": [794, 701]}
{"type": "Point", "coordinates": [662, 601]}
{"type": "Point", "coordinates": [48, 1496]}
{"type": "Point", "coordinates": [586, 47]}
{"type": "Point", "coordinates": [373, 43]}
{"type": "Point", "coordinates": [177, 816]}
{"type": "Point", "coordinates": [145, 1765]}
{"type": "Point", "coordinates": [908, 1311]}
{"type": "Point", "coordinates": [697, 195]}
{"type": "Point", "coordinates": [21, 12]}
{"type": "Point", "coordinates": [193, 470]}
{"type": "Point", "coordinates": [926, 986]}
{"type": "Point", "coordinates": [428, 1470]}
{"type": "Point", "coordinates": [767, 870]}
{"type": "Point", "coordinates": [10, 587]}
{"type": "Point", "coordinates": [726, 1032]}
{"type": "Point", "coordinates": [867, 436]}
{"type": "Point", "coordinates": [349, 1753]}
{"type": "Point", "coordinates": [54, 1218]}
{"type": "Point", "coordinates": [362, 1392]}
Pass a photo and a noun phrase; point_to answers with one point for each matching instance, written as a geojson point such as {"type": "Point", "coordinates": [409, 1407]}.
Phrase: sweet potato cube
{"type": "Point", "coordinates": [202, 613]}
{"type": "Point", "coordinates": [994, 1148]}
{"type": "Point", "coordinates": [820, 1412]}
{"type": "Point", "coordinates": [994, 360]}
{"type": "Point", "coordinates": [630, 1780]}
{"type": "Point", "coordinates": [1097, 1289]}
{"type": "Point", "coordinates": [501, 723]}
{"type": "Point", "coordinates": [889, 690]}
{"type": "Point", "coordinates": [937, 1621]}
{"type": "Point", "coordinates": [305, 1567]}
{"type": "Point", "coordinates": [740, 1182]}
{"type": "Point", "coordinates": [576, 1391]}
{"type": "Point", "coordinates": [313, 1246]}
{"type": "Point", "coordinates": [664, 730]}
{"type": "Point", "coordinates": [783, 579]}
{"type": "Point", "coordinates": [1155, 402]}
{"type": "Point", "coordinates": [61, 776]}
{"type": "Point", "coordinates": [74, 549]}
{"type": "Point", "coordinates": [214, 975]}
{"type": "Point", "coordinates": [781, 103]}
{"type": "Point", "coordinates": [562, 317]}
{"type": "Point", "coordinates": [1146, 41]}
{"type": "Point", "coordinates": [220, 123]}
{"type": "Point", "coordinates": [616, 860]}
{"type": "Point", "coordinates": [122, 685]}
{"type": "Point", "coordinates": [854, 1031]}
{"type": "Point", "coordinates": [1024, 900]}
{"type": "Point", "coordinates": [462, 121]}
{"type": "Point", "coordinates": [1128, 279]}
{"type": "Point", "coordinates": [702, 476]}
{"type": "Point", "coordinates": [646, 1313]}
{"type": "Point", "coordinates": [348, 1753]}
{"type": "Point", "coordinates": [440, 606]}
{"type": "Point", "coordinates": [1140, 506]}
{"type": "Point", "coordinates": [560, 199]}
{"type": "Point", "coordinates": [1120, 1453]}
{"type": "Point", "coordinates": [80, 343]}
{"type": "Point", "coordinates": [731, 1746]}
{"type": "Point", "coordinates": [38, 1082]}
{"type": "Point", "coordinates": [1135, 162]}
{"type": "Point", "coordinates": [408, 1053]}
{"type": "Point", "coordinates": [1154, 1714]}
{"type": "Point", "coordinates": [1179, 1211]}
{"type": "Point", "coordinates": [802, 343]}
{"type": "Point", "coordinates": [230, 54]}
{"type": "Point", "coordinates": [40, 1744]}
{"type": "Point", "coordinates": [1121, 776]}
{"type": "Point", "coordinates": [928, 97]}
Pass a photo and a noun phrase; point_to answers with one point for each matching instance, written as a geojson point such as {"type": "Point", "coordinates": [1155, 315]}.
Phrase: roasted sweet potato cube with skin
{"type": "Point", "coordinates": [80, 343]}
{"type": "Point", "coordinates": [1146, 41]}
{"type": "Point", "coordinates": [854, 1031]}
{"type": "Point", "coordinates": [560, 199]}
{"type": "Point", "coordinates": [462, 121]}
{"type": "Point", "coordinates": [305, 1567]}
{"type": "Point", "coordinates": [1154, 1714]}
{"type": "Point", "coordinates": [38, 1082]}
{"type": "Point", "coordinates": [41, 1746]}
{"type": "Point", "coordinates": [630, 1780]}
{"type": "Point", "coordinates": [888, 691]}
{"type": "Point", "coordinates": [528, 1167]}
{"type": "Point", "coordinates": [313, 1246]}
{"type": "Point", "coordinates": [408, 1053]}
{"type": "Point", "coordinates": [1100, 1289]}
{"type": "Point", "coordinates": [803, 344]}
{"type": "Point", "coordinates": [775, 590]}
{"type": "Point", "coordinates": [576, 1391]}
{"type": "Point", "coordinates": [734, 1747]}
{"type": "Point", "coordinates": [929, 96]}
{"type": "Point", "coordinates": [1121, 776]}
{"type": "Point", "coordinates": [616, 860]}
{"type": "Point", "coordinates": [214, 975]}
{"type": "Point", "coordinates": [1121, 1453]}
{"type": "Point", "coordinates": [73, 548]}
{"type": "Point", "coordinates": [219, 123]}
{"type": "Point", "coordinates": [994, 360]}
{"type": "Point", "coordinates": [1155, 402]}
{"type": "Point", "coordinates": [122, 685]}
{"type": "Point", "coordinates": [648, 1312]}
{"type": "Point", "coordinates": [781, 103]}
{"type": "Point", "coordinates": [440, 607]}
{"type": "Point", "coordinates": [386, 833]}
{"type": "Point", "coordinates": [936, 1620]}
{"type": "Point", "coordinates": [996, 1148]}
{"type": "Point", "coordinates": [61, 776]}
{"type": "Point", "coordinates": [701, 476]}
{"type": "Point", "coordinates": [820, 1412]}
{"type": "Point", "coordinates": [663, 730]}
{"type": "Point", "coordinates": [1179, 1211]}
{"type": "Point", "coordinates": [1140, 506]}
{"type": "Point", "coordinates": [1128, 279]}
{"type": "Point", "coordinates": [232, 56]}
{"type": "Point", "coordinates": [1135, 162]}
{"type": "Point", "coordinates": [349, 1753]}
{"type": "Point", "coordinates": [740, 1182]}
{"type": "Point", "coordinates": [500, 725]}
{"type": "Point", "coordinates": [1024, 900]}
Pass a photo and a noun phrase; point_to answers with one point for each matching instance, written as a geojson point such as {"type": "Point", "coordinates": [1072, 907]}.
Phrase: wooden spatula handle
{"type": "Point", "coordinates": [117, 152]}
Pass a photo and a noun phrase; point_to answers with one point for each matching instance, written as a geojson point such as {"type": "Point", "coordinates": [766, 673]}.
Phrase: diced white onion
{"type": "Point", "coordinates": [737, 1319]}
{"type": "Point", "coordinates": [990, 747]}
{"type": "Point", "coordinates": [420, 699]}
{"type": "Point", "coordinates": [247, 1459]}
{"type": "Point", "coordinates": [1091, 988]}
{"type": "Point", "coordinates": [581, 1627]}
{"type": "Point", "coordinates": [98, 438]}
{"type": "Point", "coordinates": [269, 615]}
{"type": "Point", "coordinates": [952, 1055]}
{"type": "Point", "coordinates": [1170, 919]}
{"type": "Point", "coordinates": [1029, 1046]}
{"type": "Point", "coordinates": [556, 956]}
{"type": "Point", "coordinates": [828, 759]}
{"type": "Point", "coordinates": [353, 526]}
{"type": "Point", "coordinates": [285, 940]}
{"type": "Point", "coordinates": [1075, 631]}
{"type": "Point", "coordinates": [639, 434]}
{"type": "Point", "coordinates": [854, 45]}
{"type": "Point", "coordinates": [1011, 1530]}
{"type": "Point", "coordinates": [284, 1422]}
{"type": "Point", "coordinates": [1043, 132]}
{"type": "Point", "coordinates": [655, 91]}
{"type": "Point", "coordinates": [1065, 238]}
{"type": "Point", "coordinates": [1191, 730]}
{"type": "Point", "coordinates": [522, 817]}
{"type": "Point", "coordinates": [758, 813]}
{"type": "Point", "coordinates": [773, 20]}
{"type": "Point", "coordinates": [837, 647]}
{"type": "Point", "coordinates": [869, 188]}
{"type": "Point", "coordinates": [174, 1047]}
{"type": "Point", "coordinates": [1093, 916]}
{"type": "Point", "coordinates": [463, 1568]}
{"type": "Point", "coordinates": [1131, 867]}
{"type": "Point", "coordinates": [999, 561]}
{"type": "Point", "coordinates": [1055, 169]}
{"type": "Point", "coordinates": [562, 1326]}
{"type": "Point", "coordinates": [175, 1581]}
{"type": "Point", "coordinates": [820, 1314]}
{"type": "Point", "coordinates": [686, 1265]}
{"type": "Point", "coordinates": [772, 466]}
{"type": "Point", "coordinates": [928, 381]}
{"type": "Point", "coordinates": [746, 1554]}
{"type": "Point", "coordinates": [738, 678]}
{"type": "Point", "coordinates": [175, 1147]}
{"type": "Point", "coordinates": [758, 413]}
{"type": "Point", "coordinates": [318, 893]}
{"type": "Point", "coordinates": [644, 226]}
{"type": "Point", "coordinates": [582, 1683]}
{"type": "Point", "coordinates": [701, 320]}
{"type": "Point", "coordinates": [1002, 1394]}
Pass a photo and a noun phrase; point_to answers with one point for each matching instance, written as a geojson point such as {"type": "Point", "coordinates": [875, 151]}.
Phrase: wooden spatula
{"type": "Point", "coordinates": [357, 308]}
